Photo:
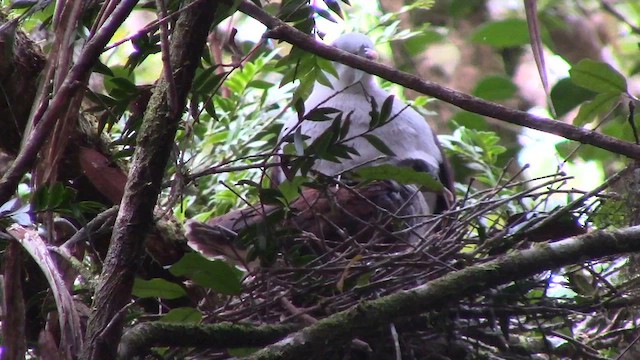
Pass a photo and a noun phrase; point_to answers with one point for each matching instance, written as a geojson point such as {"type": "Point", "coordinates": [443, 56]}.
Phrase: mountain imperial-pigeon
{"type": "Point", "coordinates": [354, 93]}
{"type": "Point", "coordinates": [381, 215]}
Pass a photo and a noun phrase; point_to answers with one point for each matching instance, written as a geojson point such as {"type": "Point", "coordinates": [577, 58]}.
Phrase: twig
{"type": "Point", "coordinates": [104, 220]}
{"type": "Point", "coordinates": [613, 11]}
{"type": "Point", "coordinates": [396, 341]}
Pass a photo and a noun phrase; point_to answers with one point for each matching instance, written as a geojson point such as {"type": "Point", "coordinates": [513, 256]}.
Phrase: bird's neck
{"type": "Point", "coordinates": [351, 80]}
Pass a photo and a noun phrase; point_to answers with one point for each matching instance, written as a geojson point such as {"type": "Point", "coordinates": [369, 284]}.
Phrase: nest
{"type": "Point", "coordinates": [338, 246]}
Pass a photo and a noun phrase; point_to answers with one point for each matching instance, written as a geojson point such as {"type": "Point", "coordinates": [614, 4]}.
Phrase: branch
{"type": "Point", "coordinates": [154, 145]}
{"type": "Point", "coordinates": [281, 31]}
{"type": "Point", "coordinates": [14, 337]}
{"type": "Point", "coordinates": [140, 338]}
{"type": "Point", "coordinates": [70, 87]}
{"type": "Point", "coordinates": [69, 319]}
{"type": "Point", "coordinates": [608, 7]}
{"type": "Point", "coordinates": [340, 328]}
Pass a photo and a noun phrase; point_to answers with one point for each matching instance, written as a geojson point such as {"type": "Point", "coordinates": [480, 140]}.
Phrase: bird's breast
{"type": "Point", "coordinates": [406, 133]}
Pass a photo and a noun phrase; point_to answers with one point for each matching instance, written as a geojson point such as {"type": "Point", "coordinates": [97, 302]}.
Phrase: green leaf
{"type": "Point", "coordinates": [385, 111]}
{"type": "Point", "coordinates": [306, 25]}
{"type": "Point", "coordinates": [211, 83]}
{"type": "Point", "coordinates": [325, 14]}
{"type": "Point", "coordinates": [566, 95]}
{"type": "Point", "coordinates": [225, 10]}
{"type": "Point", "coordinates": [299, 106]}
{"type": "Point", "coordinates": [469, 120]}
{"type": "Point", "coordinates": [327, 66]}
{"type": "Point", "coordinates": [183, 315]}
{"type": "Point", "coordinates": [306, 85]}
{"type": "Point", "coordinates": [374, 114]}
{"type": "Point", "coordinates": [260, 84]}
{"type": "Point", "coordinates": [56, 196]}
{"type": "Point", "coordinates": [378, 144]}
{"type": "Point", "coordinates": [343, 151]}
{"type": "Point", "coordinates": [402, 174]}
{"type": "Point", "coordinates": [157, 288]}
{"type": "Point", "coordinates": [290, 189]}
{"type": "Point", "coordinates": [103, 69]}
{"type": "Point", "coordinates": [600, 104]}
{"type": "Point", "coordinates": [321, 147]}
{"type": "Point", "coordinates": [291, 8]}
{"type": "Point", "coordinates": [502, 34]}
{"type": "Point", "coordinates": [125, 85]}
{"type": "Point", "coordinates": [40, 199]}
{"type": "Point", "coordinates": [415, 45]}
{"type": "Point", "coordinates": [201, 76]}
{"type": "Point", "coordinates": [93, 207]}
{"type": "Point", "coordinates": [346, 125]}
{"type": "Point", "coordinates": [598, 76]}
{"type": "Point", "coordinates": [321, 114]}
{"type": "Point", "coordinates": [270, 196]}
{"type": "Point", "coordinates": [334, 6]}
{"type": "Point", "coordinates": [213, 274]}
{"type": "Point", "coordinates": [494, 88]}
{"type": "Point", "coordinates": [321, 78]}
{"type": "Point", "coordinates": [298, 141]}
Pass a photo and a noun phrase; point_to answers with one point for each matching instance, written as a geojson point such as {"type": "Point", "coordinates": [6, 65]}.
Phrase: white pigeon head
{"type": "Point", "coordinates": [357, 44]}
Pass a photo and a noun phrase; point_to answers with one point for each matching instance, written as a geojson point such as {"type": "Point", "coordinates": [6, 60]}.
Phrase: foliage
{"type": "Point", "coordinates": [244, 88]}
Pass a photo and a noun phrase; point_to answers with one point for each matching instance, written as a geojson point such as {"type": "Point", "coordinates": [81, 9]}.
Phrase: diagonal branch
{"type": "Point", "coordinates": [281, 31]}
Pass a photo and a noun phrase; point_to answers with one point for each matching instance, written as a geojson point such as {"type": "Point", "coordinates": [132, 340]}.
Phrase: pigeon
{"type": "Point", "coordinates": [366, 214]}
{"type": "Point", "coordinates": [407, 134]}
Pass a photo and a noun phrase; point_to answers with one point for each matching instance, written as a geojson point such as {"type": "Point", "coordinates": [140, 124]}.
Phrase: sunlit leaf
{"type": "Point", "coordinates": [598, 76]}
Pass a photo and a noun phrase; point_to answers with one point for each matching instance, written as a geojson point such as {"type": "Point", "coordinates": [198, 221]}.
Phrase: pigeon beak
{"type": "Point", "coordinates": [370, 54]}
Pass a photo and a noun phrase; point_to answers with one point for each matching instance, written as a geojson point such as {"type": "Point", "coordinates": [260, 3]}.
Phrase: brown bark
{"type": "Point", "coordinates": [21, 62]}
{"type": "Point", "coordinates": [155, 141]}
{"type": "Point", "coordinates": [13, 322]}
